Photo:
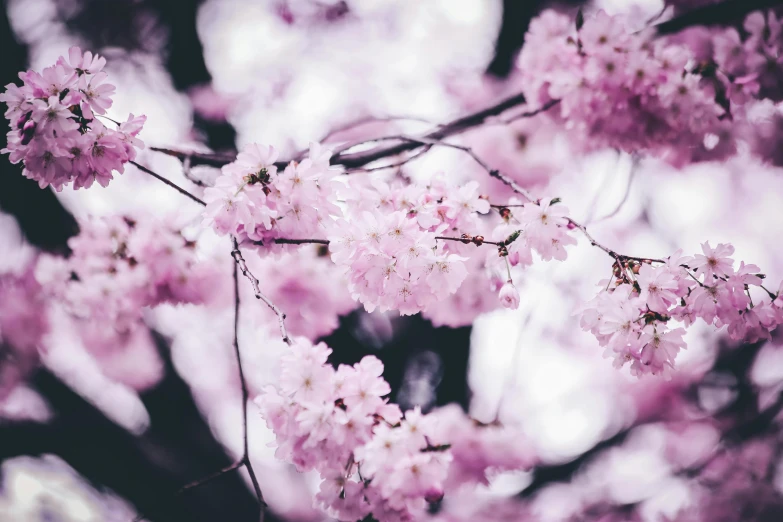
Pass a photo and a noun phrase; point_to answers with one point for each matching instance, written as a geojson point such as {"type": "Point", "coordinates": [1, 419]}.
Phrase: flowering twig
{"type": "Point", "coordinates": [524, 193]}
{"type": "Point", "coordinates": [400, 163]}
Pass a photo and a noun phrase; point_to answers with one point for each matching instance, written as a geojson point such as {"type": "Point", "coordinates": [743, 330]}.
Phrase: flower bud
{"type": "Point", "coordinates": [509, 296]}
{"type": "Point", "coordinates": [433, 495]}
{"type": "Point", "coordinates": [28, 131]}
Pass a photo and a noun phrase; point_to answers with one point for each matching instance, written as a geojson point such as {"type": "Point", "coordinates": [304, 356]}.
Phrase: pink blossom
{"type": "Point", "coordinates": [509, 296]}
{"type": "Point", "coordinates": [52, 122]}
{"type": "Point", "coordinates": [714, 263]}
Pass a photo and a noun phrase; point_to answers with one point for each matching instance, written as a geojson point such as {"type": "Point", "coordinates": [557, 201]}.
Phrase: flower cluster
{"type": "Point", "coordinates": [256, 202]}
{"type": "Point", "coordinates": [621, 89]}
{"type": "Point", "coordinates": [55, 130]}
{"type": "Point", "coordinates": [337, 422]}
{"type": "Point", "coordinates": [119, 266]}
{"type": "Point", "coordinates": [751, 65]}
{"type": "Point", "coordinates": [631, 316]}
{"type": "Point", "coordinates": [388, 242]}
{"type": "Point", "coordinates": [372, 459]}
{"type": "Point", "coordinates": [539, 226]}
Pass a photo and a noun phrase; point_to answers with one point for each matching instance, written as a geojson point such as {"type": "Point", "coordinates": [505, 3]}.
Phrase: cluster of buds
{"type": "Point", "coordinates": [468, 239]}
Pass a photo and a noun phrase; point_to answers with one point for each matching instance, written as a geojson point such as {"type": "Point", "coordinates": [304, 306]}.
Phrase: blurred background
{"type": "Point", "coordinates": [94, 437]}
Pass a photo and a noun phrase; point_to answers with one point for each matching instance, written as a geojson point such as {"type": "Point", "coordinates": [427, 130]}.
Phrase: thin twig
{"type": "Point", "coordinates": [631, 175]}
{"type": "Point", "coordinates": [470, 239]}
{"type": "Point", "coordinates": [209, 478]}
{"type": "Point", "coordinates": [612, 253]}
{"type": "Point", "coordinates": [370, 119]}
{"type": "Point", "coordinates": [529, 114]}
{"type": "Point", "coordinates": [407, 160]}
{"type": "Point", "coordinates": [516, 187]}
{"type": "Point", "coordinates": [245, 397]}
{"type": "Point", "coordinates": [200, 482]}
{"type": "Point", "coordinates": [286, 241]}
{"type": "Point", "coordinates": [169, 183]}
{"type": "Point", "coordinates": [197, 158]}
{"type": "Point", "coordinates": [236, 253]}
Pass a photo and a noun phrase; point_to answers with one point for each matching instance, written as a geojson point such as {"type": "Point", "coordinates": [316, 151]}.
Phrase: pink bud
{"type": "Point", "coordinates": [433, 495]}
{"type": "Point", "coordinates": [23, 119]}
{"type": "Point", "coordinates": [509, 296]}
{"type": "Point", "coordinates": [28, 131]}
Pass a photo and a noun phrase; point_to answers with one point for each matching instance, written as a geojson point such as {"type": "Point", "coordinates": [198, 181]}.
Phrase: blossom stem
{"type": "Point", "coordinates": [771, 295]}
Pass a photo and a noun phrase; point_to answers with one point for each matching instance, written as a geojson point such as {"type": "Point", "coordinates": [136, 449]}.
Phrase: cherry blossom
{"type": "Point", "coordinates": [372, 459]}
{"type": "Point", "coordinates": [55, 130]}
{"type": "Point", "coordinates": [633, 315]}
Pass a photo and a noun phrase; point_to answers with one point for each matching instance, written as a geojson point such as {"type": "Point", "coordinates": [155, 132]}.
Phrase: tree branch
{"type": "Point", "coordinates": [236, 253]}
{"type": "Point", "coordinates": [245, 396]}
{"type": "Point", "coordinates": [729, 11]}
{"type": "Point", "coordinates": [285, 241]}
{"type": "Point", "coordinates": [169, 183]}
{"type": "Point", "coordinates": [209, 478]}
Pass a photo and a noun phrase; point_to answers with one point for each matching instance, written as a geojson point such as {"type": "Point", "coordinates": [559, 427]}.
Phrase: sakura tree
{"type": "Point", "coordinates": [236, 270]}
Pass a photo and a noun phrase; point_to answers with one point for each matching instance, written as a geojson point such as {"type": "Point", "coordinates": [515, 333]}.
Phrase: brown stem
{"type": "Point", "coordinates": [286, 241]}
{"type": "Point", "coordinates": [169, 183]}
{"type": "Point", "coordinates": [360, 159]}
{"type": "Point", "coordinates": [209, 478]}
{"type": "Point", "coordinates": [245, 396]}
{"type": "Point", "coordinates": [209, 159]}
{"type": "Point", "coordinates": [470, 239]}
{"type": "Point", "coordinates": [236, 253]}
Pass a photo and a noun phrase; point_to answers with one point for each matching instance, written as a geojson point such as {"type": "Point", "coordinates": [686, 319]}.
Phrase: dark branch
{"type": "Point", "coordinates": [245, 396]}
{"type": "Point", "coordinates": [236, 253]}
{"type": "Point", "coordinates": [169, 183]}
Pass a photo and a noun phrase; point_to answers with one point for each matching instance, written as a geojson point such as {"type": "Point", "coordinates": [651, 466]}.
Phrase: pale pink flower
{"type": "Point", "coordinates": [714, 262]}
{"type": "Point", "coordinates": [509, 296]}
